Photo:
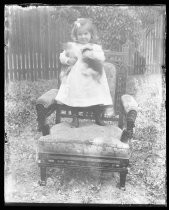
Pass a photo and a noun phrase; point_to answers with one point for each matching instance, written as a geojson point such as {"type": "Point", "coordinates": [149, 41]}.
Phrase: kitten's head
{"type": "Point", "coordinates": [71, 49]}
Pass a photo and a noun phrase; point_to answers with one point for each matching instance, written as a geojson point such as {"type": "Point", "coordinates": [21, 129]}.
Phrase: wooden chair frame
{"type": "Point", "coordinates": [125, 121]}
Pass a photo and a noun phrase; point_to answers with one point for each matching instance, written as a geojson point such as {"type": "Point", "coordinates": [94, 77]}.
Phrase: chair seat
{"type": "Point", "coordinates": [89, 139]}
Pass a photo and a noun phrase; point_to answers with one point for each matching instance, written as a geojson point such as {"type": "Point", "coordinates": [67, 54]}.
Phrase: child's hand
{"type": "Point", "coordinates": [72, 61]}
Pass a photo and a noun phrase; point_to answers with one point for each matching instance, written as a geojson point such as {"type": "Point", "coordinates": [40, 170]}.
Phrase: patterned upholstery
{"type": "Point", "coordinates": [111, 77]}
{"type": "Point", "coordinates": [110, 71]}
{"type": "Point", "coordinates": [89, 139]}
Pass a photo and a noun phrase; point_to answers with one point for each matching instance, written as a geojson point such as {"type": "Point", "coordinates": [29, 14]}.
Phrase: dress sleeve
{"type": "Point", "coordinates": [63, 57]}
{"type": "Point", "coordinates": [98, 53]}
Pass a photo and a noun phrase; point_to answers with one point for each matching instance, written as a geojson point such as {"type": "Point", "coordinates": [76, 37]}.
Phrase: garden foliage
{"type": "Point", "coordinates": [115, 24]}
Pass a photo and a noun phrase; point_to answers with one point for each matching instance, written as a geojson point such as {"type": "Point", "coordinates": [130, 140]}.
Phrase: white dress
{"type": "Point", "coordinates": [79, 90]}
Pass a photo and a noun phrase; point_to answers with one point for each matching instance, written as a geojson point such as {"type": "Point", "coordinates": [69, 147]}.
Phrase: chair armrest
{"type": "Point", "coordinates": [130, 108]}
{"type": "Point", "coordinates": [47, 98]}
{"type": "Point", "coordinates": [129, 103]}
{"type": "Point", "coordinates": [45, 105]}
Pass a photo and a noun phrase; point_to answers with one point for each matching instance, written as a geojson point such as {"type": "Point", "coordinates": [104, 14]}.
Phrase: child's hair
{"type": "Point", "coordinates": [81, 22]}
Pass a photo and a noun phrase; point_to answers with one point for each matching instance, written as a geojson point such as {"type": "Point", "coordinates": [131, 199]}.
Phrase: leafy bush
{"type": "Point", "coordinates": [115, 24]}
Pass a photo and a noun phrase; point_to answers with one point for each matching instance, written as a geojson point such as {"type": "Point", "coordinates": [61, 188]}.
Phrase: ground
{"type": "Point", "coordinates": [143, 186]}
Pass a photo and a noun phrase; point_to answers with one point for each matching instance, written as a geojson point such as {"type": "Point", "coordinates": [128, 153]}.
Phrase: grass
{"type": "Point", "coordinates": [149, 149]}
{"type": "Point", "coordinates": [146, 181]}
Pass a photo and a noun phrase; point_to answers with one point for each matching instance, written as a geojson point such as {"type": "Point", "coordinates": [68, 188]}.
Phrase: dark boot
{"type": "Point", "coordinates": [98, 116]}
{"type": "Point", "coordinates": [75, 121]}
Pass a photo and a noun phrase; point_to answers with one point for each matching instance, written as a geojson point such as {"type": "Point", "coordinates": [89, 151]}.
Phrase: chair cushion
{"type": "Point", "coordinates": [89, 139]}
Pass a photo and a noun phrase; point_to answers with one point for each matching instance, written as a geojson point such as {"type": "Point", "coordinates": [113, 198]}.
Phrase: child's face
{"type": "Point", "coordinates": [83, 36]}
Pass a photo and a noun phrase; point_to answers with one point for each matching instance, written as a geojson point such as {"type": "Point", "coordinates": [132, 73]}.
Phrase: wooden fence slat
{"type": "Point", "coordinates": [49, 41]}
{"type": "Point", "coordinates": [38, 50]}
{"type": "Point", "coordinates": [6, 68]}
{"type": "Point", "coordinates": [23, 44]}
{"type": "Point", "coordinates": [43, 66]}
{"type": "Point", "coordinates": [8, 64]}
{"type": "Point", "coordinates": [31, 48]}
{"type": "Point", "coordinates": [32, 69]}
{"type": "Point", "coordinates": [14, 67]}
{"type": "Point", "coordinates": [56, 57]}
{"type": "Point", "coordinates": [152, 50]}
{"type": "Point", "coordinates": [17, 65]}
{"type": "Point", "coordinates": [11, 68]}
{"type": "Point", "coordinates": [37, 65]}
{"type": "Point", "coordinates": [18, 48]}
{"type": "Point", "coordinates": [150, 53]}
{"type": "Point", "coordinates": [26, 46]}
{"type": "Point", "coordinates": [20, 69]}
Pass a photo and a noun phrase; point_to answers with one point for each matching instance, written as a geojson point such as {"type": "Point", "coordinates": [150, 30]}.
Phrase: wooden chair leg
{"type": "Point", "coordinates": [121, 184]}
{"type": "Point", "coordinates": [58, 118]}
{"type": "Point", "coordinates": [43, 177]}
{"type": "Point", "coordinates": [42, 125]}
{"type": "Point", "coordinates": [121, 116]}
{"type": "Point", "coordinates": [123, 179]}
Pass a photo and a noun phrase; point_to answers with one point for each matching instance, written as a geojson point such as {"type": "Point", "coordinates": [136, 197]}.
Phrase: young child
{"type": "Point", "coordinates": [86, 84]}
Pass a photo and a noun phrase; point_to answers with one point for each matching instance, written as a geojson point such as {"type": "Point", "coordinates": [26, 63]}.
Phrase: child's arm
{"type": "Point", "coordinates": [67, 60]}
{"type": "Point", "coordinates": [63, 58]}
{"type": "Point", "coordinates": [95, 53]}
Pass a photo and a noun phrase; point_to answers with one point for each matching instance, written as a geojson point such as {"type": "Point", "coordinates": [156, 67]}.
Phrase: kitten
{"type": "Point", "coordinates": [94, 65]}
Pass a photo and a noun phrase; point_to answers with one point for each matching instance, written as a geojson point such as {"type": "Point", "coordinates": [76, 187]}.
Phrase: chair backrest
{"type": "Point", "coordinates": [116, 75]}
